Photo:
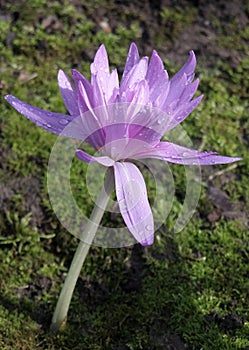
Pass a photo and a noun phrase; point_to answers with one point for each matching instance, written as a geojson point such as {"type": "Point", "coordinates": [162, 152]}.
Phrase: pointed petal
{"type": "Point", "coordinates": [176, 88]}
{"type": "Point", "coordinates": [85, 157]}
{"type": "Point", "coordinates": [177, 116]}
{"type": "Point", "coordinates": [112, 86]}
{"type": "Point", "coordinates": [189, 92]}
{"type": "Point", "coordinates": [133, 202]}
{"type": "Point", "coordinates": [57, 123]}
{"type": "Point", "coordinates": [182, 155]}
{"type": "Point", "coordinates": [141, 96]}
{"type": "Point", "coordinates": [188, 68]}
{"type": "Point", "coordinates": [68, 93]}
{"type": "Point", "coordinates": [98, 92]}
{"type": "Point", "coordinates": [135, 75]}
{"type": "Point", "coordinates": [80, 79]}
{"type": "Point", "coordinates": [100, 68]}
{"type": "Point", "coordinates": [155, 69]}
{"type": "Point", "coordinates": [100, 64]}
{"type": "Point", "coordinates": [132, 59]}
{"type": "Point", "coordinates": [91, 122]}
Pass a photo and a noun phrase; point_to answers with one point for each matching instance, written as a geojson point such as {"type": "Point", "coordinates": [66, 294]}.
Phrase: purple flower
{"type": "Point", "coordinates": [125, 121]}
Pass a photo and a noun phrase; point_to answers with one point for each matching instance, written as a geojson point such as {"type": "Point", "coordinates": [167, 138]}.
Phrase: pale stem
{"type": "Point", "coordinates": [60, 315]}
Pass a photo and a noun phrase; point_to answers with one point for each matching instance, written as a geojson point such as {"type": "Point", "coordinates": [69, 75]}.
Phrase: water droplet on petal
{"type": "Point", "coordinates": [148, 227]}
{"type": "Point", "coordinates": [63, 121]}
{"type": "Point", "coordinates": [48, 125]}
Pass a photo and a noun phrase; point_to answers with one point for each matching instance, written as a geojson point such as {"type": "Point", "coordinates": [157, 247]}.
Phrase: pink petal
{"type": "Point", "coordinates": [133, 202]}
{"type": "Point", "coordinates": [68, 93]}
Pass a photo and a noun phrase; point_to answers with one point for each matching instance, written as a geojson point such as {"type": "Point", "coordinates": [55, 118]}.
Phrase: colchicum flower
{"type": "Point", "coordinates": [125, 121]}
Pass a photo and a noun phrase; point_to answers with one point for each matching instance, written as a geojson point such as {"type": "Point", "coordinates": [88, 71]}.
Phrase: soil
{"type": "Point", "coordinates": [200, 34]}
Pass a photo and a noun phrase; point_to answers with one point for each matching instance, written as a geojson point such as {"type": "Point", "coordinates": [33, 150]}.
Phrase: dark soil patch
{"type": "Point", "coordinates": [200, 32]}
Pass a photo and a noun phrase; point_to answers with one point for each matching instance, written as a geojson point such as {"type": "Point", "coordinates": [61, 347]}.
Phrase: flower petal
{"type": "Point", "coordinates": [176, 89]}
{"type": "Point", "coordinates": [87, 158]}
{"type": "Point", "coordinates": [68, 93]}
{"type": "Point", "coordinates": [135, 75]}
{"type": "Point", "coordinates": [182, 155]}
{"type": "Point", "coordinates": [80, 79]}
{"type": "Point", "coordinates": [181, 113]}
{"type": "Point", "coordinates": [188, 68]}
{"type": "Point", "coordinates": [158, 80]}
{"type": "Point", "coordinates": [189, 92]}
{"type": "Point", "coordinates": [133, 202]}
{"type": "Point", "coordinates": [57, 123]}
{"type": "Point", "coordinates": [132, 59]}
{"type": "Point", "coordinates": [100, 64]}
{"type": "Point", "coordinates": [112, 86]}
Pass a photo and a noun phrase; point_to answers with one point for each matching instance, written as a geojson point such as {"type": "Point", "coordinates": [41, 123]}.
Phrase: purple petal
{"type": "Point", "coordinates": [68, 93]}
{"type": "Point", "coordinates": [112, 86]}
{"type": "Point", "coordinates": [140, 98]}
{"type": "Point", "coordinates": [135, 75]}
{"type": "Point", "coordinates": [189, 92]}
{"type": "Point", "coordinates": [158, 80]}
{"type": "Point", "coordinates": [155, 69]}
{"type": "Point", "coordinates": [80, 79]}
{"type": "Point", "coordinates": [98, 92]}
{"type": "Point", "coordinates": [176, 89]}
{"type": "Point", "coordinates": [188, 68]}
{"type": "Point", "coordinates": [132, 59]}
{"type": "Point", "coordinates": [181, 155]}
{"type": "Point", "coordinates": [180, 114]}
{"type": "Point", "coordinates": [133, 202]}
{"type": "Point", "coordinates": [56, 123]}
{"type": "Point", "coordinates": [100, 64]}
{"type": "Point", "coordinates": [85, 157]}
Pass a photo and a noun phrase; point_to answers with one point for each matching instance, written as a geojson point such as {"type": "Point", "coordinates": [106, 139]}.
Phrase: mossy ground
{"type": "Point", "coordinates": [190, 290]}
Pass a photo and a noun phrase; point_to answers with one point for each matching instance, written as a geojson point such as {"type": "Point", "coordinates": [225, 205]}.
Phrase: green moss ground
{"type": "Point", "coordinates": [189, 288]}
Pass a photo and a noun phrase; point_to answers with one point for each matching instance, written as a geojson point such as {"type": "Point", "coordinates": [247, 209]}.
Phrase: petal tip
{"type": "Point", "coordinates": [148, 241]}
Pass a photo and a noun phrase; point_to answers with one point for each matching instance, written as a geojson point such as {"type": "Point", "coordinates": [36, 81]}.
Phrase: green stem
{"type": "Point", "coordinates": [60, 315]}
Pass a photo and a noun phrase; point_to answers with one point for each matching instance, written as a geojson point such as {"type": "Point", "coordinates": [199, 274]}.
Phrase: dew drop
{"type": "Point", "coordinates": [148, 227]}
{"type": "Point", "coordinates": [63, 121]}
{"type": "Point", "coordinates": [48, 125]}
{"type": "Point", "coordinates": [185, 154]}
